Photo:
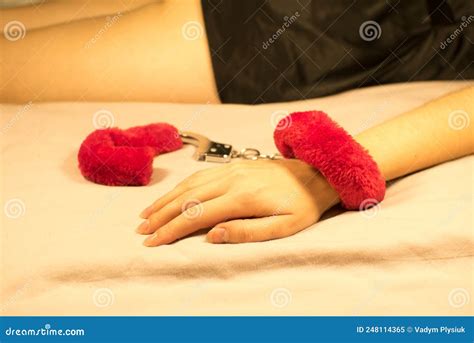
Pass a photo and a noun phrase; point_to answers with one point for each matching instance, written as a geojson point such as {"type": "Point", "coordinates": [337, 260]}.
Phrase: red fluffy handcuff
{"type": "Point", "coordinates": [118, 157]}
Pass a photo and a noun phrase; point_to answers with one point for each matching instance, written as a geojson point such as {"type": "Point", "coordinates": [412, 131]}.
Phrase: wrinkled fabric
{"type": "Point", "coordinates": [69, 247]}
{"type": "Point", "coordinates": [270, 51]}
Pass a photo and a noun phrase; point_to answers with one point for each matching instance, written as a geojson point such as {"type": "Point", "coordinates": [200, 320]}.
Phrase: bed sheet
{"type": "Point", "coordinates": [68, 246]}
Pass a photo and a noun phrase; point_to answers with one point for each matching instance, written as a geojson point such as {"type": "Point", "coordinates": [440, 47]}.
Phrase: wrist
{"type": "Point", "coordinates": [323, 193]}
{"type": "Point", "coordinates": [315, 138]}
{"type": "Point", "coordinates": [326, 195]}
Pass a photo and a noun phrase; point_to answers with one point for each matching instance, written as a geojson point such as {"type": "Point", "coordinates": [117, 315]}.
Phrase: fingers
{"type": "Point", "coordinates": [201, 216]}
{"type": "Point", "coordinates": [184, 202]}
{"type": "Point", "coordinates": [195, 180]}
{"type": "Point", "coordinates": [253, 230]}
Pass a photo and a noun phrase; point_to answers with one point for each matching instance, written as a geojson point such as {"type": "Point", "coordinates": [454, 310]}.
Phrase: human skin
{"type": "Point", "coordinates": [253, 201]}
{"type": "Point", "coordinates": [137, 52]}
{"type": "Point", "coordinates": [42, 13]}
{"type": "Point", "coordinates": [143, 57]}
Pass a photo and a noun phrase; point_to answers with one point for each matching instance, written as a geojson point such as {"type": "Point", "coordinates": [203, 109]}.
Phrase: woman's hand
{"type": "Point", "coordinates": [260, 200]}
{"type": "Point", "coordinates": [245, 201]}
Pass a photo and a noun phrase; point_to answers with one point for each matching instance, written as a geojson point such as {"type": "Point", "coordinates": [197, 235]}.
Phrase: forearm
{"type": "Point", "coordinates": [47, 13]}
{"type": "Point", "coordinates": [438, 131]}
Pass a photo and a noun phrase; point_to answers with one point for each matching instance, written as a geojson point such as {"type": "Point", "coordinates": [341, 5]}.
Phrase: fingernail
{"type": "Point", "coordinates": [219, 235]}
{"type": "Point", "coordinates": [145, 213]}
{"type": "Point", "coordinates": [149, 242]}
{"type": "Point", "coordinates": [143, 227]}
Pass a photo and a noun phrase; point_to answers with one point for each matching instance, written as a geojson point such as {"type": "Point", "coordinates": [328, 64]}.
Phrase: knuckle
{"type": "Point", "coordinates": [182, 186]}
{"type": "Point", "coordinates": [187, 185]}
{"type": "Point", "coordinates": [245, 236]}
{"type": "Point", "coordinates": [189, 182]}
{"type": "Point", "coordinates": [186, 196]}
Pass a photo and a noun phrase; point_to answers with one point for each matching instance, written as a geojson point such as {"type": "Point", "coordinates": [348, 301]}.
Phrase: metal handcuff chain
{"type": "Point", "coordinates": [254, 154]}
{"type": "Point", "coordinates": [211, 151]}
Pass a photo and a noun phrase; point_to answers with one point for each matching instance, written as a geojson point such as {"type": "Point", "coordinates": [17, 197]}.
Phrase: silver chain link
{"type": "Point", "coordinates": [254, 154]}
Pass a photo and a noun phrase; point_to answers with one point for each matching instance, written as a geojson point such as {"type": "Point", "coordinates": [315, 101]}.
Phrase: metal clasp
{"type": "Point", "coordinates": [210, 151]}
{"type": "Point", "coordinates": [207, 150]}
{"type": "Point", "coordinates": [254, 154]}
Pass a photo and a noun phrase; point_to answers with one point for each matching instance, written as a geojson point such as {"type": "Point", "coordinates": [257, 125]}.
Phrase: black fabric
{"type": "Point", "coordinates": [321, 49]}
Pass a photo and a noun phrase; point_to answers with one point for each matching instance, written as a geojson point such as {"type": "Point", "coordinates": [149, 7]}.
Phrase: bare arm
{"type": "Point", "coordinates": [262, 200]}
{"type": "Point", "coordinates": [52, 12]}
{"type": "Point", "coordinates": [438, 131]}
{"type": "Point", "coordinates": [158, 52]}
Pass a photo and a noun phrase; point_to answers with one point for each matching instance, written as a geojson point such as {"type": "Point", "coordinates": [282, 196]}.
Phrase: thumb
{"type": "Point", "coordinates": [253, 230]}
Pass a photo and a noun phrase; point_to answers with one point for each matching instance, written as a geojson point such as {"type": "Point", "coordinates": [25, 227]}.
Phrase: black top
{"type": "Point", "coordinates": [279, 50]}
